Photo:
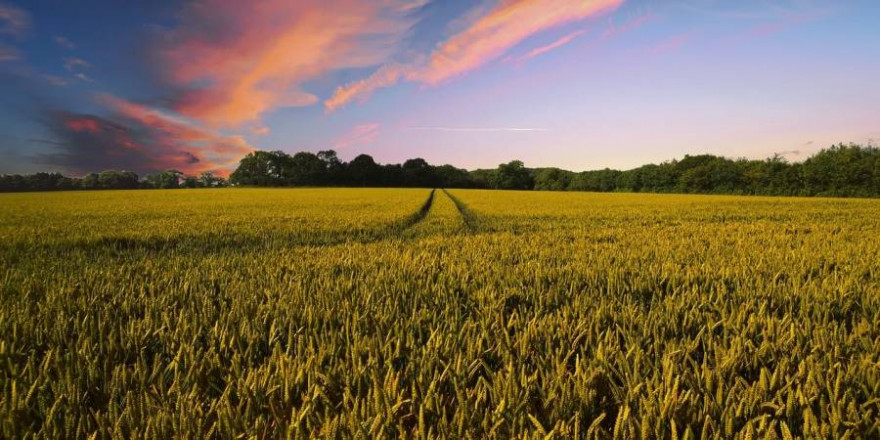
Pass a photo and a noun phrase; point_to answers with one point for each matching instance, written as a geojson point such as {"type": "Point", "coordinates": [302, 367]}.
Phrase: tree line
{"type": "Point", "coordinates": [107, 180]}
{"type": "Point", "coordinates": [841, 170]}
{"type": "Point", "coordinates": [277, 168]}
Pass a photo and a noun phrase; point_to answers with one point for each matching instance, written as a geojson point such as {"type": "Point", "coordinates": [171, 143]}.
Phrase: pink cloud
{"type": "Point", "coordinates": [83, 124]}
{"type": "Point", "coordinates": [503, 27]}
{"type": "Point", "coordinates": [239, 60]}
{"type": "Point", "coordinates": [489, 36]}
{"type": "Point", "coordinates": [170, 135]}
{"type": "Point", "coordinates": [669, 44]}
{"type": "Point", "coordinates": [359, 135]}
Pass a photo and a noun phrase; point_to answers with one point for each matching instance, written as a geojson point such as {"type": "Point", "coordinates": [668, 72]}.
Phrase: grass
{"type": "Point", "coordinates": [342, 313]}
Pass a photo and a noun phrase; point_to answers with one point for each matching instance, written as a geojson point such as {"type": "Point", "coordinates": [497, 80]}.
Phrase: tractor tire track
{"type": "Point", "coordinates": [471, 220]}
{"type": "Point", "coordinates": [214, 243]}
{"type": "Point", "coordinates": [417, 216]}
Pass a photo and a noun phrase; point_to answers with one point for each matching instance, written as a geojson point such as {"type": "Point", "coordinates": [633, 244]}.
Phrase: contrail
{"type": "Point", "coordinates": [475, 129]}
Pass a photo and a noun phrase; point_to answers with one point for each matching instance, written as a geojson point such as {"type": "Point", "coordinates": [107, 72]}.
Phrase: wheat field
{"type": "Point", "coordinates": [433, 314]}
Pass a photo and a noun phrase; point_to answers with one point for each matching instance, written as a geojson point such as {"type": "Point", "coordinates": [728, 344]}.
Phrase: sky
{"type": "Point", "coordinates": [194, 85]}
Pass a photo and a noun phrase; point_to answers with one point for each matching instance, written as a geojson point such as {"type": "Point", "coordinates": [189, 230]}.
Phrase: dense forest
{"type": "Point", "coordinates": [841, 170]}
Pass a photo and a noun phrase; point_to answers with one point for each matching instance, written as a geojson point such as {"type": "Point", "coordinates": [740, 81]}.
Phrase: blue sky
{"type": "Point", "coordinates": [194, 85]}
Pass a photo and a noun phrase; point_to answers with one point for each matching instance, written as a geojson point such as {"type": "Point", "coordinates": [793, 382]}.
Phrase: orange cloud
{"type": "Point", "coordinates": [361, 90]}
{"type": "Point", "coordinates": [173, 138]}
{"type": "Point", "coordinates": [488, 37]}
{"type": "Point", "coordinates": [239, 60]}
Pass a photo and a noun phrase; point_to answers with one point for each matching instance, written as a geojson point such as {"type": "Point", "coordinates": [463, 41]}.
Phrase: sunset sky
{"type": "Point", "coordinates": [141, 85]}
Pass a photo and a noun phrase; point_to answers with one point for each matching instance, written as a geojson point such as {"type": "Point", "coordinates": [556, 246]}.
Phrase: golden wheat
{"type": "Point", "coordinates": [366, 313]}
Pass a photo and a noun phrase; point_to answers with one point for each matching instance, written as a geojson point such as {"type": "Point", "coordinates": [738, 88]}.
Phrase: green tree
{"type": "Point", "coordinates": [306, 169]}
{"type": "Point", "coordinates": [208, 180]}
{"type": "Point", "coordinates": [363, 171]}
{"type": "Point", "coordinates": [262, 168]}
{"type": "Point", "coordinates": [165, 179]}
{"type": "Point", "coordinates": [417, 173]}
{"type": "Point", "coordinates": [552, 179]}
{"type": "Point", "coordinates": [511, 175]}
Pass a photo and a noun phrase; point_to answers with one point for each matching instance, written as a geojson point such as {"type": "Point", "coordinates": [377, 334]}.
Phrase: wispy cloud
{"type": "Point", "coordinates": [359, 135]}
{"type": "Point", "coordinates": [477, 129]}
{"type": "Point", "coordinates": [64, 42]}
{"type": "Point", "coordinates": [538, 51]}
{"type": "Point", "coordinates": [613, 29]}
{"type": "Point", "coordinates": [13, 20]}
{"type": "Point", "coordinates": [764, 10]}
{"type": "Point", "coordinates": [487, 38]}
{"type": "Point", "coordinates": [8, 53]}
{"type": "Point", "coordinates": [83, 77]}
{"type": "Point", "coordinates": [74, 63]}
{"type": "Point", "coordinates": [260, 130]}
{"type": "Point", "coordinates": [264, 52]}
{"type": "Point", "coordinates": [502, 28]}
{"type": "Point", "coordinates": [667, 44]}
{"type": "Point", "coordinates": [768, 20]}
{"type": "Point", "coordinates": [361, 90]}
{"type": "Point", "coordinates": [773, 27]}
{"type": "Point", "coordinates": [55, 80]}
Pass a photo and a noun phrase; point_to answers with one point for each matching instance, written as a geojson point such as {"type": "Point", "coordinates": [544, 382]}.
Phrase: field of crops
{"type": "Point", "coordinates": [411, 313]}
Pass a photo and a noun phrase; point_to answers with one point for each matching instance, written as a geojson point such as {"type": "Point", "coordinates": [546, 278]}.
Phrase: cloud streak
{"type": "Point", "coordinates": [13, 20]}
{"type": "Point", "coordinates": [55, 80]}
{"type": "Point", "coordinates": [538, 51]}
{"type": "Point", "coordinates": [263, 53]}
{"type": "Point", "coordinates": [64, 42]}
{"type": "Point", "coordinates": [487, 38]}
{"type": "Point", "coordinates": [359, 135]}
{"type": "Point", "coordinates": [613, 30]}
{"type": "Point", "coordinates": [8, 53]}
{"type": "Point", "coordinates": [477, 129]}
{"type": "Point", "coordinates": [74, 63]}
{"type": "Point", "coordinates": [668, 44]}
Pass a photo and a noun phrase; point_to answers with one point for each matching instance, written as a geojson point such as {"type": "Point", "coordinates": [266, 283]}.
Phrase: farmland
{"type": "Point", "coordinates": [412, 313]}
